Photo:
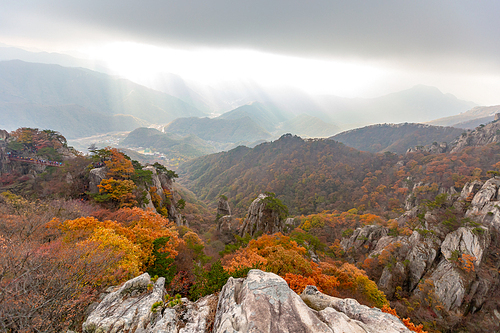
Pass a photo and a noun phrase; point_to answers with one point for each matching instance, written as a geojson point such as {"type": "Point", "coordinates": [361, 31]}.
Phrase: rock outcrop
{"type": "Point", "coordinates": [224, 219]}
{"type": "Point", "coordinates": [480, 136]}
{"type": "Point", "coordinates": [262, 217]}
{"type": "Point", "coordinates": [261, 302]}
{"type": "Point", "coordinates": [159, 181]}
{"type": "Point", "coordinates": [444, 253]}
{"type": "Point", "coordinates": [434, 148]}
{"type": "Point", "coordinates": [223, 208]}
{"type": "Point", "coordinates": [96, 175]}
{"type": "Point", "coordinates": [347, 315]}
{"type": "Point", "coordinates": [130, 309]}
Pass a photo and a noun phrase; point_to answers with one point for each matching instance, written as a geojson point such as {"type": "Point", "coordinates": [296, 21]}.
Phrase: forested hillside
{"type": "Point", "coordinates": [396, 138]}
{"type": "Point", "coordinates": [314, 212]}
{"type": "Point", "coordinates": [320, 174]}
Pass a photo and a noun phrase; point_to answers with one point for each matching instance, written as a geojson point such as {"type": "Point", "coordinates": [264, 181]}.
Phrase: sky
{"type": "Point", "coordinates": [347, 48]}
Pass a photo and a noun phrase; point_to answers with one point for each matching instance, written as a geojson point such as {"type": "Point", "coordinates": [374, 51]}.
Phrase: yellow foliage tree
{"type": "Point", "coordinates": [132, 237]}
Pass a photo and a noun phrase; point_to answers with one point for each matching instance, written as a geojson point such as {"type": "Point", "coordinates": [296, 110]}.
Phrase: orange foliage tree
{"type": "Point", "coordinates": [283, 256]}
{"type": "Point", "coordinates": [117, 191]}
{"type": "Point", "coordinates": [411, 326]}
{"type": "Point", "coordinates": [132, 237]}
{"type": "Point", "coordinates": [118, 165]}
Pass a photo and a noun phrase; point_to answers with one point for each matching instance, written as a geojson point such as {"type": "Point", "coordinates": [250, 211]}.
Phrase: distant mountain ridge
{"type": "Point", "coordinates": [52, 86]}
{"type": "Point", "coordinates": [470, 118]}
{"type": "Point", "coordinates": [174, 146]}
{"type": "Point", "coordinates": [417, 104]}
{"type": "Point", "coordinates": [263, 115]}
{"type": "Point", "coordinates": [219, 130]}
{"type": "Point", "coordinates": [72, 120]}
{"type": "Point", "coordinates": [396, 138]}
{"type": "Point", "coordinates": [305, 125]}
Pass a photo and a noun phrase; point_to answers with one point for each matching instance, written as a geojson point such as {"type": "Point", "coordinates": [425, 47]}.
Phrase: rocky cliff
{"type": "Point", "coordinates": [159, 180]}
{"type": "Point", "coordinates": [480, 136]}
{"type": "Point", "coordinates": [8, 164]}
{"type": "Point", "coordinates": [261, 302]}
{"type": "Point", "coordinates": [263, 216]}
{"type": "Point", "coordinates": [227, 227]}
{"type": "Point", "coordinates": [452, 254]}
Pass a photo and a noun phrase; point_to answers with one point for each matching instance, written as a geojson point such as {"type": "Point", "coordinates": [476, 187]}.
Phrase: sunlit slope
{"type": "Point", "coordinates": [53, 85]}
{"type": "Point", "coordinates": [219, 130]}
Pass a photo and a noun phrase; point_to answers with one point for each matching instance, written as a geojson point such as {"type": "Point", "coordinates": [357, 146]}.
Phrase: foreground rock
{"type": "Point", "coordinates": [261, 302]}
{"type": "Point", "coordinates": [130, 309]}
{"type": "Point", "coordinates": [347, 315]}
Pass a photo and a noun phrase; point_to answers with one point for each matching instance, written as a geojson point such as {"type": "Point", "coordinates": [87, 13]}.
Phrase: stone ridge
{"type": "Point", "coordinates": [260, 218]}
{"type": "Point", "coordinates": [260, 303]}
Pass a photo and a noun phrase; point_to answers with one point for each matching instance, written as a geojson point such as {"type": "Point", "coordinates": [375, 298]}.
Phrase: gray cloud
{"type": "Point", "coordinates": [423, 41]}
{"type": "Point", "coordinates": [351, 28]}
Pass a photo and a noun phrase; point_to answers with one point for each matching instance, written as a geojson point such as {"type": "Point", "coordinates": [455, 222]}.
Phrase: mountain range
{"type": "Point", "coordinates": [79, 102]}
{"type": "Point", "coordinates": [396, 138]}
{"type": "Point", "coordinates": [25, 86]}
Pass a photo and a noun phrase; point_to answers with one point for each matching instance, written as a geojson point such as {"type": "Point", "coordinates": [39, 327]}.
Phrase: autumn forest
{"type": "Point", "coordinates": [70, 231]}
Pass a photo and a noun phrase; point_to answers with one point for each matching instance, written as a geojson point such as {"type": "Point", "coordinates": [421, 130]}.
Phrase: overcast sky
{"type": "Point", "coordinates": [453, 45]}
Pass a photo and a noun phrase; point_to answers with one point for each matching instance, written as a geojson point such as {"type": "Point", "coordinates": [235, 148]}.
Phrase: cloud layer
{"type": "Point", "coordinates": [355, 28]}
{"type": "Point", "coordinates": [427, 37]}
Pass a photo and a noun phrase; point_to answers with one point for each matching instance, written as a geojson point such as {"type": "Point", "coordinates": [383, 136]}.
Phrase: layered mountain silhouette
{"type": "Point", "coordinates": [26, 86]}
{"type": "Point", "coordinates": [417, 104]}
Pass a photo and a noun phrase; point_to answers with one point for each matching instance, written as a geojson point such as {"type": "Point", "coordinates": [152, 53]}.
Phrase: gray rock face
{"type": "Point", "coordinates": [418, 256]}
{"type": "Point", "coordinates": [487, 193]}
{"type": "Point", "coordinates": [434, 148]}
{"type": "Point", "coordinates": [364, 239]}
{"type": "Point", "coordinates": [223, 208]}
{"type": "Point", "coordinates": [449, 285]}
{"type": "Point", "coordinates": [124, 309]}
{"type": "Point", "coordinates": [466, 241]}
{"type": "Point", "coordinates": [347, 315]}
{"type": "Point", "coordinates": [261, 219]}
{"type": "Point", "coordinates": [263, 303]}
{"type": "Point", "coordinates": [480, 136]}
{"type": "Point", "coordinates": [128, 309]}
{"type": "Point", "coordinates": [485, 205]}
{"type": "Point", "coordinates": [188, 317]}
{"type": "Point", "coordinates": [430, 257]}
{"type": "Point", "coordinates": [468, 193]}
{"type": "Point", "coordinates": [421, 256]}
{"type": "Point", "coordinates": [95, 177]}
{"type": "Point", "coordinates": [224, 218]}
{"type": "Point", "coordinates": [225, 224]}
{"type": "Point", "coordinates": [413, 256]}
